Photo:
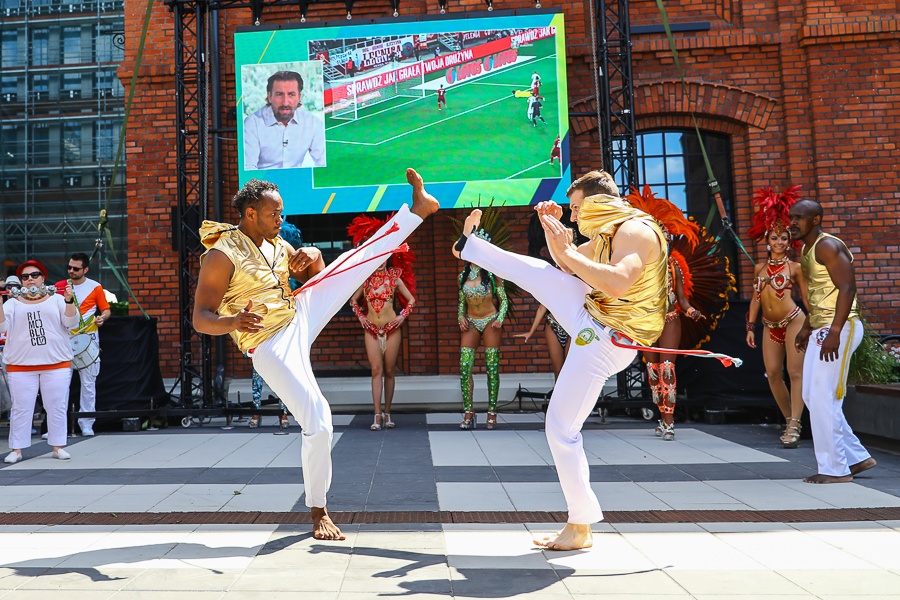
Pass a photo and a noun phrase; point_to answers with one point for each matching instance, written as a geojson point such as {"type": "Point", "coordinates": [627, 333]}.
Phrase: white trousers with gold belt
{"type": "Point", "coordinates": [824, 384]}
{"type": "Point", "coordinates": [283, 360]}
{"type": "Point", "coordinates": [592, 359]}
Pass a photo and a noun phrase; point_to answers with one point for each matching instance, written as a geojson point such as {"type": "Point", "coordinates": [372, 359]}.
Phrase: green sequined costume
{"type": "Point", "coordinates": [491, 355]}
{"type": "Point", "coordinates": [466, 360]}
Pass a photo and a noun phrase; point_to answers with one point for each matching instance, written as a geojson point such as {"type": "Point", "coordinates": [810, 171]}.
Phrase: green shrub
{"type": "Point", "coordinates": [872, 363]}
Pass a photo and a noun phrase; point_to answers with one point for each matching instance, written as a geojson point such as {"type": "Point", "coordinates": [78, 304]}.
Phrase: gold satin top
{"type": "Point", "coordinates": [254, 279]}
{"type": "Point", "coordinates": [641, 312]}
{"type": "Point", "coordinates": [822, 292]}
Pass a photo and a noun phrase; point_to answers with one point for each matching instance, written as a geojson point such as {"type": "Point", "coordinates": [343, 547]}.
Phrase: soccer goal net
{"type": "Point", "coordinates": [361, 92]}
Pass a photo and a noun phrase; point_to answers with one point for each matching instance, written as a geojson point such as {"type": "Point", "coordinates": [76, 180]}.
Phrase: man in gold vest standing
{"type": "Point", "coordinates": [620, 289]}
{"type": "Point", "coordinates": [833, 325]}
{"type": "Point", "coordinates": [243, 291]}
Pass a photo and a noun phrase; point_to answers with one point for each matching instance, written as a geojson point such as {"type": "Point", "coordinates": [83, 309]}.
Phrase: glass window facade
{"type": "Point", "coordinates": [671, 163]}
{"type": "Point", "coordinates": [60, 117]}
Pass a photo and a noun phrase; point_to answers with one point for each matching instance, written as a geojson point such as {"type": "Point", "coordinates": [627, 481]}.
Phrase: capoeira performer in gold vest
{"type": "Point", "coordinates": [243, 291]}
{"type": "Point", "coordinates": [835, 330]}
{"type": "Point", "coordinates": [621, 292]}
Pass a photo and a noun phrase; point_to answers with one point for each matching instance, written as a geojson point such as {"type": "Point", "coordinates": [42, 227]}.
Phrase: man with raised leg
{"type": "Point", "coordinates": [834, 326]}
{"type": "Point", "coordinates": [243, 291]}
{"type": "Point", "coordinates": [619, 294]}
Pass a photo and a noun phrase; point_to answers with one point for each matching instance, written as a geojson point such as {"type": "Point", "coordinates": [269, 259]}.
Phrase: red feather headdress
{"type": "Point", "coordinates": [773, 212]}
{"type": "Point", "coordinates": [361, 228]}
{"type": "Point", "coordinates": [671, 217]}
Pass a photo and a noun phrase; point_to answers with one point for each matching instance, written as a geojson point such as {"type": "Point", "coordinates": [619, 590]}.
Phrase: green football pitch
{"type": "Point", "coordinates": [482, 134]}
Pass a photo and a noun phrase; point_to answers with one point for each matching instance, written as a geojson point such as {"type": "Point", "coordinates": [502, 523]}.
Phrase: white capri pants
{"type": "Point", "coordinates": [283, 360]}
{"type": "Point", "coordinates": [23, 387]}
{"type": "Point", "coordinates": [835, 444]}
{"type": "Point", "coordinates": [592, 359]}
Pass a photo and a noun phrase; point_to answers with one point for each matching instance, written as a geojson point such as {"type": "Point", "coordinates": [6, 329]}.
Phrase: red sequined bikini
{"type": "Point", "coordinates": [775, 276]}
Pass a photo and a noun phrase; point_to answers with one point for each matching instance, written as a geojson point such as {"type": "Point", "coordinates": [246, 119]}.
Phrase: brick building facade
{"type": "Point", "coordinates": [803, 93]}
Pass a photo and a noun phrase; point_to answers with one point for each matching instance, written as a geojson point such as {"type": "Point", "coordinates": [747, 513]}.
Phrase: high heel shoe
{"type": "Point", "coordinates": [791, 437]}
{"type": "Point", "coordinates": [376, 424]}
{"type": "Point", "coordinates": [667, 431]}
{"type": "Point", "coordinates": [470, 421]}
{"type": "Point", "coordinates": [386, 418]}
{"type": "Point", "coordinates": [254, 421]}
{"type": "Point", "coordinates": [491, 420]}
{"type": "Point", "coordinates": [284, 422]}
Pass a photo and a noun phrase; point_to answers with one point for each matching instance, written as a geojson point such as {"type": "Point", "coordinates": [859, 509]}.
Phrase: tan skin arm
{"type": "Point", "coordinates": [754, 311]}
{"type": "Point", "coordinates": [212, 283]}
{"type": "Point", "coordinates": [681, 297]}
{"type": "Point", "coordinates": [800, 281]}
{"type": "Point", "coordinates": [539, 315]}
{"type": "Point", "coordinates": [410, 301]}
{"type": "Point", "coordinates": [634, 246]}
{"type": "Point", "coordinates": [554, 211]}
{"type": "Point", "coordinates": [304, 263]}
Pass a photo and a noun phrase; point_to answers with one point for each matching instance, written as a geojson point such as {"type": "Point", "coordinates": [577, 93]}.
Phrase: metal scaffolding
{"type": "Point", "coordinates": [196, 70]}
{"type": "Point", "coordinates": [616, 101]}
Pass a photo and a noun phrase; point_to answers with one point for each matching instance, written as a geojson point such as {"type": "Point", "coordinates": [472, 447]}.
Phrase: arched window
{"type": "Point", "coordinates": [671, 163]}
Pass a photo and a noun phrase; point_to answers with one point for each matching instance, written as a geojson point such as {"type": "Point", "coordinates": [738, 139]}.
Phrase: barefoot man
{"type": "Point", "coordinates": [833, 324]}
{"type": "Point", "coordinates": [243, 291]}
{"type": "Point", "coordinates": [622, 290]}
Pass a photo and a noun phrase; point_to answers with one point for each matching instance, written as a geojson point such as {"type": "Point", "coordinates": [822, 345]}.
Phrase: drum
{"type": "Point", "coordinates": [85, 349]}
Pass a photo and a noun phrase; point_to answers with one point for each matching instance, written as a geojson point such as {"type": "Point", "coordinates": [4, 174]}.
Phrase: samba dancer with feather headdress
{"type": "Point", "coordinates": [392, 280]}
{"type": "Point", "coordinates": [773, 280]}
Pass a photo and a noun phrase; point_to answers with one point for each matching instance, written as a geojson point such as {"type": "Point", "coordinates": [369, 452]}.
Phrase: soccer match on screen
{"type": "Point", "coordinates": [478, 105]}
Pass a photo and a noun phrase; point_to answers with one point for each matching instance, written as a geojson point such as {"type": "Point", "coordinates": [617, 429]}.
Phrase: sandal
{"type": "Point", "coordinates": [388, 424]}
{"type": "Point", "coordinates": [491, 420]}
{"type": "Point", "coordinates": [284, 422]}
{"type": "Point", "coordinates": [791, 437]}
{"type": "Point", "coordinates": [667, 431]}
{"type": "Point", "coordinates": [376, 424]}
{"type": "Point", "coordinates": [470, 421]}
{"type": "Point", "coordinates": [254, 422]}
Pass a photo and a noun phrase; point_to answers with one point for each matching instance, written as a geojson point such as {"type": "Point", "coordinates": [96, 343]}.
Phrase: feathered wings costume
{"type": "Point", "coordinates": [361, 228]}
{"type": "Point", "coordinates": [704, 270]}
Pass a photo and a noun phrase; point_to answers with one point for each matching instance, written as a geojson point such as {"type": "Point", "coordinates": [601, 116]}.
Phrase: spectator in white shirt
{"type": "Point", "coordinates": [38, 355]}
{"type": "Point", "coordinates": [282, 134]}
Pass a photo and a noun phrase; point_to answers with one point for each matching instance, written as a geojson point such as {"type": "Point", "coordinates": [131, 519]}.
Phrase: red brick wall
{"type": "Point", "coordinates": [807, 90]}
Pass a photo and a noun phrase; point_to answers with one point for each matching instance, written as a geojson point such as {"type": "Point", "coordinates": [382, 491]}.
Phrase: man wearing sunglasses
{"type": "Point", "coordinates": [94, 312]}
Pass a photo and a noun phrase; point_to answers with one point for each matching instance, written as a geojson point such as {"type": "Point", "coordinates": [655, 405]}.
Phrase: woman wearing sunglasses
{"type": "Point", "coordinates": [38, 356]}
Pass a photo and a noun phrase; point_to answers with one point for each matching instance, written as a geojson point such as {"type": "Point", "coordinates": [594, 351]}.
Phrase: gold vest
{"type": "Point", "coordinates": [641, 312]}
{"type": "Point", "coordinates": [822, 292]}
{"type": "Point", "coordinates": [253, 279]}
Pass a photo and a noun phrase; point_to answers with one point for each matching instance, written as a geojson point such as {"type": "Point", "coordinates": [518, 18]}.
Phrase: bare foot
{"type": "Point", "coordinates": [323, 527]}
{"type": "Point", "coordinates": [817, 478]}
{"type": "Point", "coordinates": [572, 537]}
{"type": "Point", "coordinates": [469, 225]}
{"type": "Point", "coordinates": [424, 204]}
{"type": "Point", "coordinates": [862, 466]}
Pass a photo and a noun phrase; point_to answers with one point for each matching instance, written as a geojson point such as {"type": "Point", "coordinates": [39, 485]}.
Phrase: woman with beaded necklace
{"type": "Point", "coordinates": [482, 310]}
{"type": "Point", "coordinates": [38, 355]}
{"type": "Point", "coordinates": [774, 278]}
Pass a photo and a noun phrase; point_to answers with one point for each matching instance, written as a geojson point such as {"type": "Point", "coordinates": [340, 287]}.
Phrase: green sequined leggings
{"type": "Point", "coordinates": [492, 360]}
{"type": "Point", "coordinates": [466, 360]}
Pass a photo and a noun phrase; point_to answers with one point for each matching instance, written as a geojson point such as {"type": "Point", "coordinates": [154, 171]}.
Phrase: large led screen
{"type": "Point", "coordinates": [335, 114]}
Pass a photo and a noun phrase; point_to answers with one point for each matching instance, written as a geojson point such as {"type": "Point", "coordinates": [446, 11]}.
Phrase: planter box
{"type": "Point", "coordinates": [874, 410]}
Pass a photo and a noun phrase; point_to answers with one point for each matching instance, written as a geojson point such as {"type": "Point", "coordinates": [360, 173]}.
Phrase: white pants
{"type": "Point", "coordinates": [23, 387]}
{"type": "Point", "coordinates": [835, 444]}
{"type": "Point", "coordinates": [283, 360]}
{"type": "Point", "coordinates": [88, 397]}
{"type": "Point", "coordinates": [592, 359]}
